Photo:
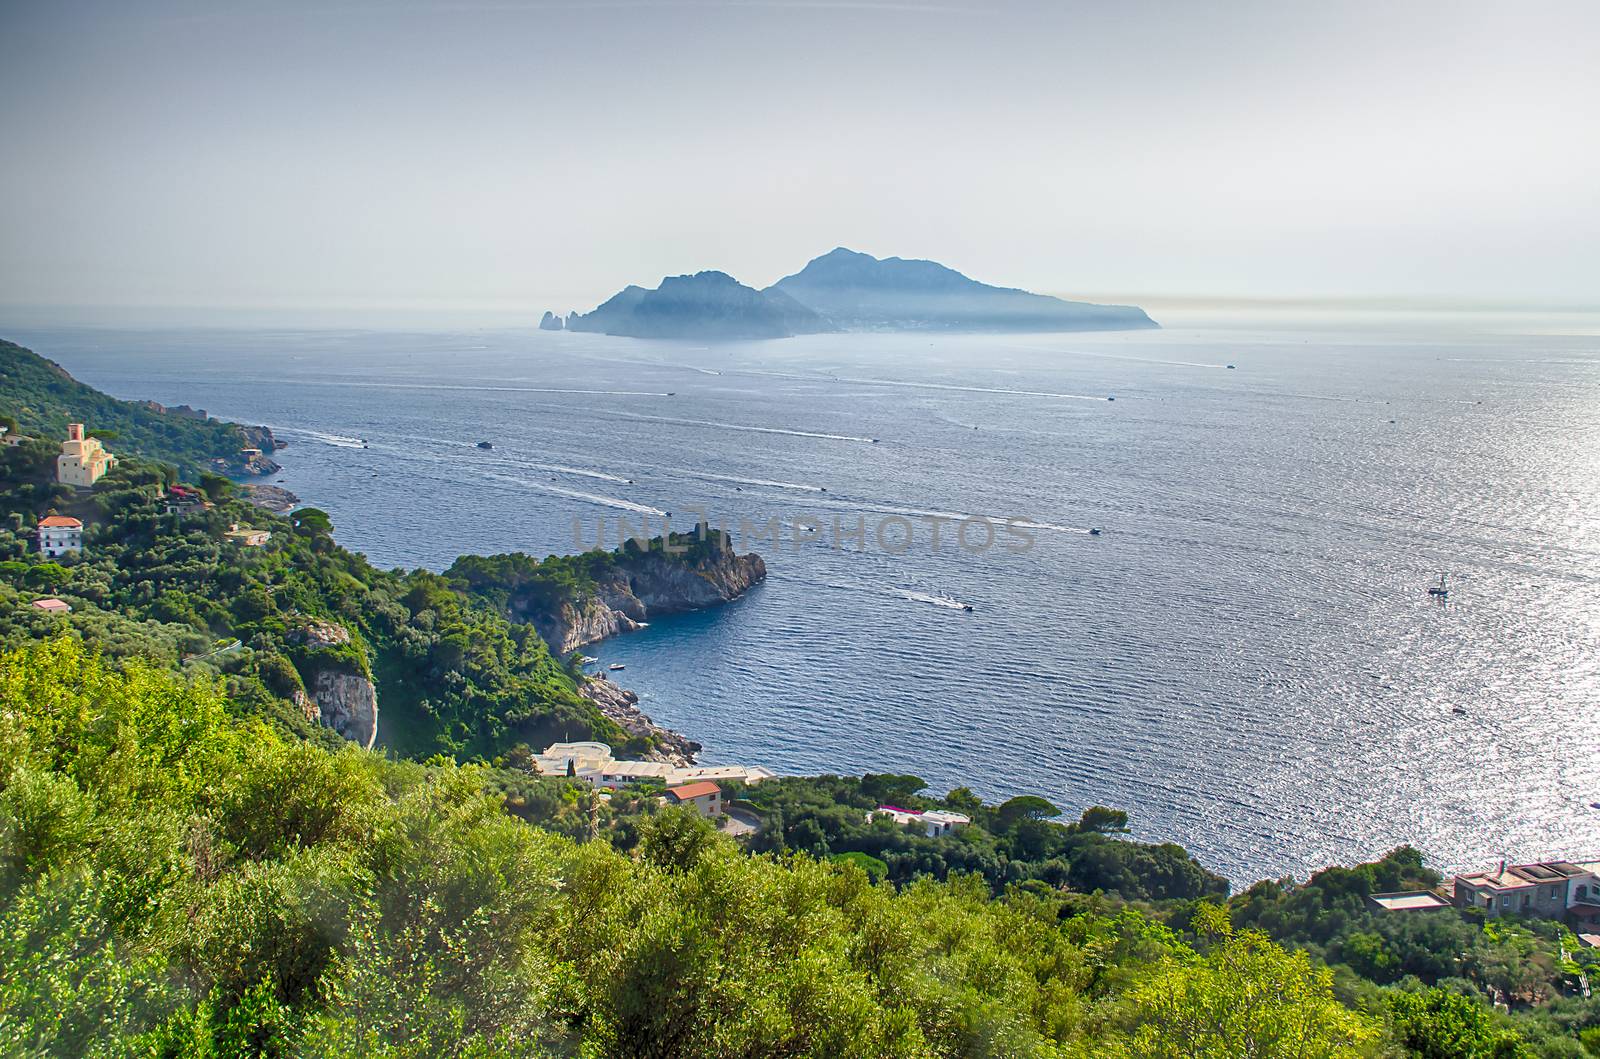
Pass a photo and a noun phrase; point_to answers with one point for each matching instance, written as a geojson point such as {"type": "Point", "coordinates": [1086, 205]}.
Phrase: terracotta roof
{"type": "Point", "coordinates": [54, 521]}
{"type": "Point", "coordinates": [52, 603]}
{"type": "Point", "coordinates": [691, 791]}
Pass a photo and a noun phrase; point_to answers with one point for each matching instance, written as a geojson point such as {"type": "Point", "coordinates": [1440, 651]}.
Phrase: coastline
{"type": "Point", "coordinates": [622, 706]}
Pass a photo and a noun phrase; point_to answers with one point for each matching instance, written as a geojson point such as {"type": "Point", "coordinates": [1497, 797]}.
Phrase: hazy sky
{"type": "Point", "coordinates": [511, 153]}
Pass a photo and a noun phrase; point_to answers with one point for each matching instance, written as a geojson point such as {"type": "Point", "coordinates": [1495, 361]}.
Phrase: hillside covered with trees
{"type": "Point", "coordinates": [192, 864]}
{"type": "Point", "coordinates": [180, 880]}
{"type": "Point", "coordinates": [38, 399]}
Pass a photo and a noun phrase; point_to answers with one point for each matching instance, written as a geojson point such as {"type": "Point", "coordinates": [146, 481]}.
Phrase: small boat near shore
{"type": "Point", "coordinates": [614, 666]}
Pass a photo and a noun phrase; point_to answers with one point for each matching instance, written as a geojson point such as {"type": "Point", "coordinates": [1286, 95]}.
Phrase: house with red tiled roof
{"type": "Point", "coordinates": [705, 797]}
{"type": "Point", "coordinates": [60, 534]}
{"type": "Point", "coordinates": [53, 605]}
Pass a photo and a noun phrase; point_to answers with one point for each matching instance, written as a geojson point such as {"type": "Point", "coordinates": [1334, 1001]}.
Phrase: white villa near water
{"type": "Point", "coordinates": [934, 822]}
{"type": "Point", "coordinates": [593, 762]}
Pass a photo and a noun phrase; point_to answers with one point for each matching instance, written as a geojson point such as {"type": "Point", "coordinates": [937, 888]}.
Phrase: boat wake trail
{"type": "Point", "coordinates": [752, 481]}
{"type": "Point", "coordinates": [909, 595]}
{"type": "Point", "coordinates": [588, 498]}
{"type": "Point", "coordinates": [601, 475]}
{"type": "Point", "coordinates": [953, 516]}
{"type": "Point", "coordinates": [342, 441]}
{"type": "Point", "coordinates": [732, 426]}
{"type": "Point", "coordinates": [937, 601]}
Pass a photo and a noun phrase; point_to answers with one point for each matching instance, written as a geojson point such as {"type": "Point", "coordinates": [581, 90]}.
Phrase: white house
{"type": "Point", "coordinates": [60, 534]}
{"type": "Point", "coordinates": [934, 822]}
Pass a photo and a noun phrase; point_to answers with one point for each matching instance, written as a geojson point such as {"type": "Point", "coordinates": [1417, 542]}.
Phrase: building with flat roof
{"type": "Point", "coordinates": [934, 822]}
{"type": "Point", "coordinates": [593, 763]}
{"type": "Point", "coordinates": [247, 537]}
{"type": "Point", "coordinates": [1407, 901]}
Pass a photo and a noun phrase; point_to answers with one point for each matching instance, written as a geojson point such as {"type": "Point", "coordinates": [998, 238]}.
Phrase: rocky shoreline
{"type": "Point", "coordinates": [272, 497]}
{"type": "Point", "coordinates": [622, 706]}
{"type": "Point", "coordinates": [647, 586]}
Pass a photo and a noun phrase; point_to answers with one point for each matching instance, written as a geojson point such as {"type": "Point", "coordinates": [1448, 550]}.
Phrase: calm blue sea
{"type": "Point", "coordinates": [1245, 658]}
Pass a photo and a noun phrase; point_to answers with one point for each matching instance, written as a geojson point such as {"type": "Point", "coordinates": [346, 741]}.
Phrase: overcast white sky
{"type": "Point", "coordinates": [505, 154]}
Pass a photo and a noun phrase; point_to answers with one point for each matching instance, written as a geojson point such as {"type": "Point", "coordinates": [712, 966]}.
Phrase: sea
{"type": "Point", "coordinates": [1245, 656]}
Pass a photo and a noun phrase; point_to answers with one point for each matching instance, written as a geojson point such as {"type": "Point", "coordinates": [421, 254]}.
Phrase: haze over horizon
{"type": "Point", "coordinates": [518, 156]}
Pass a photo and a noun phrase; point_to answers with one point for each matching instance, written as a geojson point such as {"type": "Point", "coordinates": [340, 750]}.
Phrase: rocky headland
{"type": "Point", "coordinates": [576, 600]}
{"type": "Point", "coordinates": [640, 587]}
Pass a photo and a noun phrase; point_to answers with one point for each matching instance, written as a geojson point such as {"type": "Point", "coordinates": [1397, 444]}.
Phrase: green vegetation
{"type": "Point", "coordinates": [1444, 968]}
{"type": "Point", "coordinates": [452, 676]}
{"type": "Point", "coordinates": [192, 866]}
{"type": "Point", "coordinates": [1014, 842]}
{"type": "Point", "coordinates": [39, 398]}
{"type": "Point", "coordinates": [177, 880]}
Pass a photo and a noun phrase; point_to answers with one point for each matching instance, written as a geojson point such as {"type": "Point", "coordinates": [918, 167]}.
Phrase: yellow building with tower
{"type": "Point", "coordinates": [83, 460]}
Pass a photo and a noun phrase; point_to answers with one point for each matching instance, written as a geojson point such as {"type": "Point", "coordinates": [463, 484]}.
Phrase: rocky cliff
{"type": "Point", "coordinates": [338, 690]}
{"type": "Point", "coordinates": [641, 585]}
{"type": "Point", "coordinates": [622, 706]}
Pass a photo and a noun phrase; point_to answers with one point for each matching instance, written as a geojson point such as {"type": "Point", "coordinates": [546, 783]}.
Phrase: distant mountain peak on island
{"type": "Point", "coordinates": [859, 292]}
{"type": "Point", "coordinates": [706, 304]}
{"type": "Point", "coordinates": [843, 290]}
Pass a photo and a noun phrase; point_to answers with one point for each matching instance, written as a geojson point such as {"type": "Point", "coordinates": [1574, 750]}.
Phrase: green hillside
{"type": "Point", "coordinates": [39, 398]}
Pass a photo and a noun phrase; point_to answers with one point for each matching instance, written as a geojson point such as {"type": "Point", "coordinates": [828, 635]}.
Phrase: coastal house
{"type": "Point", "coordinates": [11, 438]}
{"type": "Point", "coordinates": [247, 537]}
{"type": "Point", "coordinates": [934, 822]}
{"type": "Point", "coordinates": [60, 534]}
{"type": "Point", "coordinates": [53, 605]}
{"type": "Point", "coordinates": [184, 500]}
{"type": "Point", "coordinates": [593, 763]}
{"type": "Point", "coordinates": [1556, 889]}
{"type": "Point", "coordinates": [83, 460]}
{"type": "Point", "coordinates": [705, 798]}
